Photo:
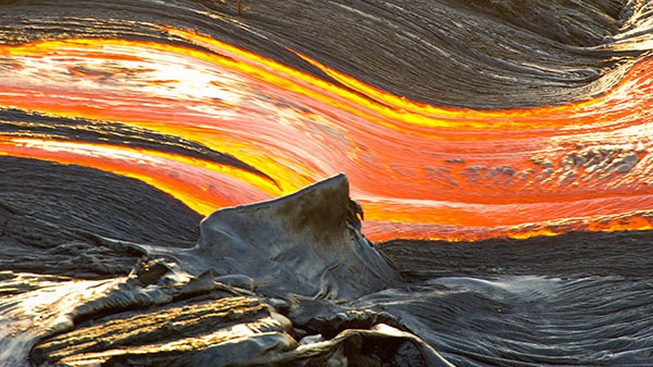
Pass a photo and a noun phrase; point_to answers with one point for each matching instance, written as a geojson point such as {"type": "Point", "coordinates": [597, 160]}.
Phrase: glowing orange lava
{"type": "Point", "coordinates": [419, 171]}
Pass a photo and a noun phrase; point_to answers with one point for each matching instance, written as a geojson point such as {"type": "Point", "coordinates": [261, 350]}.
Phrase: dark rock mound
{"type": "Point", "coordinates": [306, 243]}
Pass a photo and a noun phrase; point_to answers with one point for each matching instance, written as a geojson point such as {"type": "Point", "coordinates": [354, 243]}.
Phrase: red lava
{"type": "Point", "coordinates": [419, 171]}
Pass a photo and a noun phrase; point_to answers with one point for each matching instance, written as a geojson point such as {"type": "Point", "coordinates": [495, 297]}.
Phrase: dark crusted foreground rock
{"type": "Point", "coordinates": [307, 243]}
{"type": "Point", "coordinates": [80, 222]}
{"type": "Point", "coordinates": [266, 284]}
{"type": "Point", "coordinates": [223, 332]}
{"type": "Point", "coordinates": [159, 316]}
{"type": "Point", "coordinates": [626, 254]}
{"type": "Point", "coordinates": [576, 299]}
{"type": "Point", "coordinates": [181, 331]}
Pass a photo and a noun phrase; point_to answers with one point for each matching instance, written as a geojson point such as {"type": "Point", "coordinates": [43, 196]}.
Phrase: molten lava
{"type": "Point", "coordinates": [419, 171]}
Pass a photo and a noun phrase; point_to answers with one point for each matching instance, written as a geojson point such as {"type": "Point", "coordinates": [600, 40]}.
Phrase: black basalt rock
{"type": "Point", "coordinates": [303, 244]}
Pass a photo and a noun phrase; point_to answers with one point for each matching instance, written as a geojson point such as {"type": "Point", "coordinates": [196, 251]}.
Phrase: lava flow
{"type": "Point", "coordinates": [419, 171]}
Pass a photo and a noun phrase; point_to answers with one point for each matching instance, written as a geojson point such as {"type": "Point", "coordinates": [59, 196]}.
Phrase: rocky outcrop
{"type": "Point", "coordinates": [306, 244]}
{"type": "Point", "coordinates": [265, 285]}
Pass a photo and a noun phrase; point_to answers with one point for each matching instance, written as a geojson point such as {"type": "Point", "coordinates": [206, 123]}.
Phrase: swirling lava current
{"type": "Point", "coordinates": [419, 171]}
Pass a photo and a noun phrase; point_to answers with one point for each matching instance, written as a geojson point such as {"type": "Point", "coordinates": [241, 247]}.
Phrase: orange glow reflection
{"type": "Point", "coordinates": [419, 171]}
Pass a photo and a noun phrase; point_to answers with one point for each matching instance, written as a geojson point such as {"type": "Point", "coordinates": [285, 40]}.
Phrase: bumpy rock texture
{"type": "Point", "coordinates": [97, 268]}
